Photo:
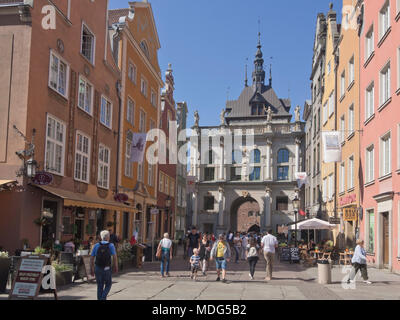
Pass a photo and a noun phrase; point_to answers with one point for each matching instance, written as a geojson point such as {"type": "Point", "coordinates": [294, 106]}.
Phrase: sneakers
{"type": "Point", "coordinates": [218, 279]}
{"type": "Point", "coordinates": [191, 277]}
{"type": "Point", "coordinates": [251, 277]}
{"type": "Point", "coordinates": [367, 282]}
{"type": "Point", "coordinates": [204, 274]}
{"type": "Point", "coordinates": [224, 280]}
{"type": "Point", "coordinates": [267, 279]}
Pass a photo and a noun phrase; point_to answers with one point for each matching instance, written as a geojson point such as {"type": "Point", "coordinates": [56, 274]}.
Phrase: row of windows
{"type": "Point", "coordinates": [166, 184]}
{"type": "Point", "coordinates": [281, 204]}
{"type": "Point", "coordinates": [132, 75]}
{"type": "Point", "coordinates": [55, 154]}
{"type": "Point", "coordinates": [255, 175]}
{"type": "Point", "coordinates": [130, 116]}
{"type": "Point", "coordinates": [255, 156]}
{"type": "Point", "coordinates": [58, 81]}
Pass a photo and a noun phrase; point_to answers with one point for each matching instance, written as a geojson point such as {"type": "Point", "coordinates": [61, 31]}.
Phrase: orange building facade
{"type": "Point", "coordinates": [135, 44]}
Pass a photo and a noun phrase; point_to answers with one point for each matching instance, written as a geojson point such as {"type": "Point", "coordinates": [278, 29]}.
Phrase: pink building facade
{"type": "Point", "coordinates": [380, 135]}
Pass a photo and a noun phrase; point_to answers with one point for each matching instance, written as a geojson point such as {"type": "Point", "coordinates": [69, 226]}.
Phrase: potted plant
{"type": "Point", "coordinates": [40, 251]}
{"type": "Point", "coordinates": [5, 262]}
{"type": "Point", "coordinates": [124, 253]}
{"type": "Point", "coordinates": [63, 274]}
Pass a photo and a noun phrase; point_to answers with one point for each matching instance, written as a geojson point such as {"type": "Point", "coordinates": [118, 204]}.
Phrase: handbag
{"type": "Point", "coordinates": [159, 250]}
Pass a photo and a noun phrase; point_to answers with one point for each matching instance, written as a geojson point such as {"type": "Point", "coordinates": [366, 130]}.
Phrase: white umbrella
{"type": "Point", "coordinates": [313, 224]}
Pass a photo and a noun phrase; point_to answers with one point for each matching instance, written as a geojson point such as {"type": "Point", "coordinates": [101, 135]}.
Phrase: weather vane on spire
{"type": "Point", "coordinates": [259, 30]}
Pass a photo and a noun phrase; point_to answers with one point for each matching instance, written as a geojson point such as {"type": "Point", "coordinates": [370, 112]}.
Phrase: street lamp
{"type": "Point", "coordinates": [31, 166]}
{"type": "Point", "coordinates": [296, 206]}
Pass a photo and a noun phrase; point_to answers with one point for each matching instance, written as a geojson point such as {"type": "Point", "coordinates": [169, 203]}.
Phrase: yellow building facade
{"type": "Point", "coordinates": [347, 122]}
{"type": "Point", "coordinates": [328, 114]}
{"type": "Point", "coordinates": [136, 46]}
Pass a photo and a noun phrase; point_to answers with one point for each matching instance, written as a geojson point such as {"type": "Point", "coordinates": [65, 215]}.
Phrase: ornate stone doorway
{"type": "Point", "coordinates": [245, 214]}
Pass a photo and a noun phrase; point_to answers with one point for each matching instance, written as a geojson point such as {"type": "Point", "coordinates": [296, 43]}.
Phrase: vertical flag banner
{"type": "Point", "coordinates": [331, 146]}
{"type": "Point", "coordinates": [302, 178]}
{"type": "Point", "coordinates": [138, 147]}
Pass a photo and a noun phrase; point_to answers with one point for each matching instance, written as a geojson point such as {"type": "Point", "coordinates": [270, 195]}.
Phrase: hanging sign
{"type": "Point", "coordinates": [350, 214]}
{"type": "Point", "coordinates": [331, 147]}
{"type": "Point", "coordinates": [42, 178]}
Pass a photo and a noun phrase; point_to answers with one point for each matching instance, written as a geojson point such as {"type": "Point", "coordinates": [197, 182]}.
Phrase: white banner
{"type": "Point", "coordinates": [301, 178]}
{"type": "Point", "coordinates": [332, 150]}
{"type": "Point", "coordinates": [138, 147]}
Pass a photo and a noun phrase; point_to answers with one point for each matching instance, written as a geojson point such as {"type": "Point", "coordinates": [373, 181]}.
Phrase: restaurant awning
{"type": "Point", "coordinates": [313, 224]}
{"type": "Point", "coordinates": [80, 200]}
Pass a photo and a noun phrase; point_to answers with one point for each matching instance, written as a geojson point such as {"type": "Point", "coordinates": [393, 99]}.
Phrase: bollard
{"type": "Point", "coordinates": [324, 272]}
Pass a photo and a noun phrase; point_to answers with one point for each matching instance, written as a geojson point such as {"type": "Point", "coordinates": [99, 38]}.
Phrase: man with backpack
{"type": "Point", "coordinates": [100, 262]}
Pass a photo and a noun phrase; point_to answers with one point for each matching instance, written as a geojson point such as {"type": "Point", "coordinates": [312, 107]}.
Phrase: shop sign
{"type": "Point", "coordinates": [350, 214]}
{"type": "Point", "coordinates": [334, 220]}
{"type": "Point", "coordinates": [121, 197]}
{"type": "Point", "coordinates": [28, 281]}
{"type": "Point", "coordinates": [346, 200]}
{"type": "Point", "coordinates": [42, 178]}
{"type": "Point", "coordinates": [154, 211]}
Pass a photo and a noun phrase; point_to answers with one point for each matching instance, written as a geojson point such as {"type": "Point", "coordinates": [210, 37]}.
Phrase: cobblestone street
{"type": "Point", "coordinates": [290, 282]}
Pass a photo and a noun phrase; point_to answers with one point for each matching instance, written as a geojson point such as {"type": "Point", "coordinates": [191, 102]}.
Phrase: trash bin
{"type": "Point", "coordinates": [324, 272]}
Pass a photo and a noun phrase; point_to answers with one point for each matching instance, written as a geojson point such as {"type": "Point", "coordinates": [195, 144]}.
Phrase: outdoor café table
{"type": "Point", "coordinates": [346, 257]}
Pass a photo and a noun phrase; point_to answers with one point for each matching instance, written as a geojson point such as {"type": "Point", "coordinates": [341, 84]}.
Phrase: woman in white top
{"type": "Point", "coordinates": [166, 254]}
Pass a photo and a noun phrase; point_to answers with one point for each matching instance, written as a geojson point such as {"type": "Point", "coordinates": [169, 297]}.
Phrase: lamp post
{"type": "Point", "coordinates": [296, 206]}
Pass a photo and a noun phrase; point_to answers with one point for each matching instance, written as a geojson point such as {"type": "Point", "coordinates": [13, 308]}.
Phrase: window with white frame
{"type": "Point", "coordinates": [85, 96]}
{"type": "Point", "coordinates": [385, 154]}
{"type": "Point", "coordinates": [351, 173]}
{"type": "Point", "coordinates": [58, 74]}
{"type": "Point", "coordinates": [130, 112]}
{"type": "Point", "coordinates": [143, 87]}
{"type": "Point", "coordinates": [128, 148]}
{"type": "Point", "coordinates": [351, 120]}
{"type": "Point", "coordinates": [331, 187]}
{"type": "Point", "coordinates": [82, 157]}
{"type": "Point", "coordinates": [150, 174]}
{"type": "Point", "coordinates": [324, 190]}
{"type": "Point", "coordinates": [369, 43]}
{"type": "Point", "coordinates": [103, 174]}
{"type": "Point", "coordinates": [369, 101]}
{"type": "Point", "coordinates": [106, 112]}
{"type": "Point", "coordinates": [351, 71]}
{"type": "Point", "coordinates": [87, 43]}
{"type": "Point", "coordinates": [384, 19]}
{"type": "Point", "coordinates": [132, 71]}
{"type": "Point", "coordinates": [342, 177]}
{"type": "Point", "coordinates": [161, 183]}
{"type": "Point", "coordinates": [140, 172]}
{"type": "Point", "coordinates": [342, 84]}
{"type": "Point", "coordinates": [385, 84]}
{"type": "Point", "coordinates": [142, 121]}
{"type": "Point", "coordinates": [325, 113]}
{"type": "Point", "coordinates": [55, 145]}
{"type": "Point", "coordinates": [370, 231]}
{"type": "Point", "coordinates": [153, 98]}
{"type": "Point", "coordinates": [342, 128]}
{"type": "Point", "coordinates": [369, 164]}
{"type": "Point", "coordinates": [332, 103]}
{"type": "Point", "coordinates": [166, 184]}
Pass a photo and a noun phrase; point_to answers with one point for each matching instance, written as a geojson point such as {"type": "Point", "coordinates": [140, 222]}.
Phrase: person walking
{"type": "Point", "coordinates": [194, 264]}
{"type": "Point", "coordinates": [245, 242]}
{"type": "Point", "coordinates": [100, 264]}
{"type": "Point", "coordinates": [165, 246]}
{"type": "Point", "coordinates": [359, 262]}
{"type": "Point", "coordinates": [221, 252]}
{"type": "Point", "coordinates": [252, 256]}
{"type": "Point", "coordinates": [194, 241]}
{"type": "Point", "coordinates": [204, 253]}
{"type": "Point", "coordinates": [237, 244]}
{"type": "Point", "coordinates": [269, 243]}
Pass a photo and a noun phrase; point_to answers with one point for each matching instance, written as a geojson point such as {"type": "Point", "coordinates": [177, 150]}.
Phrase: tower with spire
{"type": "Point", "coordinates": [259, 73]}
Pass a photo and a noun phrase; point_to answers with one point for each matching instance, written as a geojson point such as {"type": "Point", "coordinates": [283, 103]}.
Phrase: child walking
{"type": "Point", "coordinates": [195, 263]}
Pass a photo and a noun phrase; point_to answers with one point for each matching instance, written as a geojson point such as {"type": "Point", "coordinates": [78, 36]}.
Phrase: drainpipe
{"type": "Point", "coordinates": [118, 87]}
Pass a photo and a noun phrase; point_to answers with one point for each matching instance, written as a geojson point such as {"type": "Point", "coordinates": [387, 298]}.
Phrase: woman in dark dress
{"type": "Point", "coordinates": [205, 248]}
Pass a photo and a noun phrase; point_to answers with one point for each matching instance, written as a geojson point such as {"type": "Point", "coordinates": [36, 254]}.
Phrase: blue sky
{"type": "Point", "coordinates": [208, 42]}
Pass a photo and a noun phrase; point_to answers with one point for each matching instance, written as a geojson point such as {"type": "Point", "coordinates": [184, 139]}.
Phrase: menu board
{"type": "Point", "coordinates": [29, 276]}
{"type": "Point", "coordinates": [294, 254]}
{"type": "Point", "coordinates": [285, 254]}
{"type": "Point", "coordinates": [83, 269]}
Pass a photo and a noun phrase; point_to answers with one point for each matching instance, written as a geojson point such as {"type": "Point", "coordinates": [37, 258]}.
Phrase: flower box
{"type": "Point", "coordinates": [63, 278]}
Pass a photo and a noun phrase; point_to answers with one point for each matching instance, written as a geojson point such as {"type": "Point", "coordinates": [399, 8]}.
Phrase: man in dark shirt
{"type": "Point", "coordinates": [194, 241]}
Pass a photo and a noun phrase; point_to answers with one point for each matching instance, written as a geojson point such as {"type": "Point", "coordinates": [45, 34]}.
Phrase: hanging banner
{"type": "Point", "coordinates": [138, 147]}
{"type": "Point", "coordinates": [190, 184]}
{"type": "Point", "coordinates": [302, 178]}
{"type": "Point", "coordinates": [331, 147]}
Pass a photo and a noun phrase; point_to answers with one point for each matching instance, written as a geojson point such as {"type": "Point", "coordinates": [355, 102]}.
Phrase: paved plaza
{"type": "Point", "coordinates": [290, 282]}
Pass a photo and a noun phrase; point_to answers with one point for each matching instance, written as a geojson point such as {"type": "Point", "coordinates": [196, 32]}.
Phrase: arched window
{"type": "Point", "coordinates": [283, 156]}
{"type": "Point", "coordinates": [255, 156]}
{"type": "Point", "coordinates": [144, 47]}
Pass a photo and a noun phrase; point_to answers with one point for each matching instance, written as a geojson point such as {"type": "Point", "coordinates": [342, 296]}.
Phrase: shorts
{"type": "Point", "coordinates": [194, 268]}
{"type": "Point", "coordinates": [221, 263]}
